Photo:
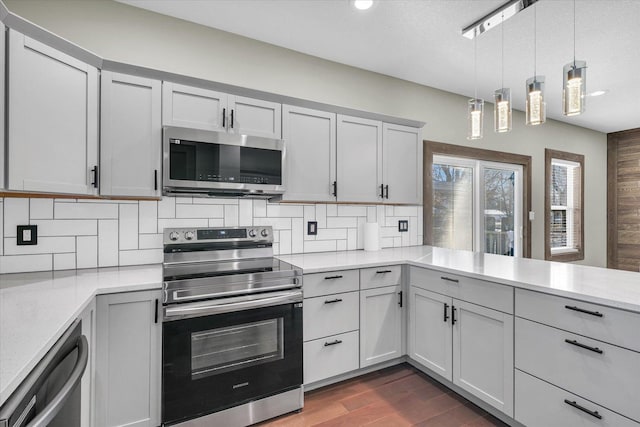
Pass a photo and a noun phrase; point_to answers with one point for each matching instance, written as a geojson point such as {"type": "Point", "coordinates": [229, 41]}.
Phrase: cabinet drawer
{"type": "Point", "coordinates": [603, 323]}
{"type": "Point", "coordinates": [331, 356]}
{"type": "Point", "coordinates": [378, 277]}
{"type": "Point", "coordinates": [330, 315]}
{"type": "Point", "coordinates": [487, 294]}
{"type": "Point", "coordinates": [331, 282]}
{"type": "Point", "coordinates": [540, 404]}
{"type": "Point", "coordinates": [605, 374]}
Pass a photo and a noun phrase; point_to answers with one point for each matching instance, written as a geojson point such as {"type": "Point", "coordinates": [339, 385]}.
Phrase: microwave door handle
{"type": "Point", "coordinates": [51, 410]}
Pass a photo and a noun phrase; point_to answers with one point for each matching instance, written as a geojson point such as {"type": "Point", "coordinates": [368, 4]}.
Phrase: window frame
{"type": "Point", "coordinates": [568, 253]}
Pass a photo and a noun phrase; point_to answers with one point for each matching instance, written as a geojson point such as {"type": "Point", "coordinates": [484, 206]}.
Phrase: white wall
{"type": "Point", "coordinates": [123, 33]}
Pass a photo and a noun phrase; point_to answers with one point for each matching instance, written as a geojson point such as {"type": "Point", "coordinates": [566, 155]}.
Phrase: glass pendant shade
{"type": "Point", "coordinates": [502, 110]}
{"type": "Point", "coordinates": [574, 88]}
{"type": "Point", "coordinates": [475, 118]}
{"type": "Point", "coordinates": [536, 108]}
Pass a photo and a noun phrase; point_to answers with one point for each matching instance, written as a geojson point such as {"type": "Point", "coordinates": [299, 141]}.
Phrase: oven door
{"type": "Point", "coordinates": [218, 354]}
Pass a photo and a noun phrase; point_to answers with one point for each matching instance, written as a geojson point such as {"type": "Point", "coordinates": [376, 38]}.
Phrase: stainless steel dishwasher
{"type": "Point", "coordinates": [50, 395]}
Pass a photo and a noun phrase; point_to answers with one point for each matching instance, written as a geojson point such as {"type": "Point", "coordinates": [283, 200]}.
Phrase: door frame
{"type": "Point", "coordinates": [440, 148]}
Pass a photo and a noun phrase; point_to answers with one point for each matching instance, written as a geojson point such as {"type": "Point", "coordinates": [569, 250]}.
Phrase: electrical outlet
{"type": "Point", "coordinates": [27, 235]}
{"type": "Point", "coordinates": [403, 225]}
{"type": "Point", "coordinates": [312, 228]}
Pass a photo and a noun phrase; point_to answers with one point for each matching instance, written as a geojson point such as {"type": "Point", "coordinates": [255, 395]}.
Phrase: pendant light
{"type": "Point", "coordinates": [536, 107]}
{"type": "Point", "coordinates": [574, 80]}
{"type": "Point", "coordinates": [502, 100]}
{"type": "Point", "coordinates": [476, 105]}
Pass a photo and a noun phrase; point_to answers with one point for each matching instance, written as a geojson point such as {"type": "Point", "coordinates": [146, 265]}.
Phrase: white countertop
{"type": "Point", "coordinates": [36, 309]}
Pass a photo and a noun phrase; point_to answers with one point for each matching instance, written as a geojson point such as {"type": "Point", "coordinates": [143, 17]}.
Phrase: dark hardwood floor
{"type": "Point", "coordinates": [394, 397]}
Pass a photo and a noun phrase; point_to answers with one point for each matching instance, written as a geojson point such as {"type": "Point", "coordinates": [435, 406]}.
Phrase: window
{"type": "Point", "coordinates": [564, 217]}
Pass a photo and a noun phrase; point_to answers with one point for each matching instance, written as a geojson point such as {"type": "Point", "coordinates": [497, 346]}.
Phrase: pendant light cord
{"type": "Point", "coordinates": [535, 40]}
{"type": "Point", "coordinates": [574, 33]}
{"type": "Point", "coordinates": [502, 60]}
{"type": "Point", "coordinates": [475, 68]}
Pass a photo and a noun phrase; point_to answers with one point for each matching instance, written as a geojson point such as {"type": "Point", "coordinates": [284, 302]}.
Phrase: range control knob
{"type": "Point", "coordinates": [252, 233]}
{"type": "Point", "coordinates": [189, 235]}
{"type": "Point", "coordinates": [174, 235]}
{"type": "Point", "coordinates": [264, 232]}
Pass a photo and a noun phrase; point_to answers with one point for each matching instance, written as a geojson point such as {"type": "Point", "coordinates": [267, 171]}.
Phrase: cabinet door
{"type": "Point", "coordinates": [380, 325]}
{"type": "Point", "coordinates": [87, 402]}
{"type": "Point", "coordinates": [193, 107]}
{"type": "Point", "coordinates": [128, 360]}
{"type": "Point", "coordinates": [310, 141]}
{"type": "Point", "coordinates": [483, 354]}
{"type": "Point", "coordinates": [131, 136]}
{"type": "Point", "coordinates": [53, 119]}
{"type": "Point", "coordinates": [255, 117]}
{"type": "Point", "coordinates": [359, 159]}
{"type": "Point", "coordinates": [402, 164]}
{"type": "Point", "coordinates": [430, 330]}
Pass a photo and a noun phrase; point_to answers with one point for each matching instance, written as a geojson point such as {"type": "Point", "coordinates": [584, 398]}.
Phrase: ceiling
{"type": "Point", "coordinates": [420, 41]}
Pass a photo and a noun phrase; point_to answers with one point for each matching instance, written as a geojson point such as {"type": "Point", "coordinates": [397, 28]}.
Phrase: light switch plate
{"type": "Point", "coordinates": [403, 225]}
{"type": "Point", "coordinates": [312, 228]}
{"type": "Point", "coordinates": [27, 235]}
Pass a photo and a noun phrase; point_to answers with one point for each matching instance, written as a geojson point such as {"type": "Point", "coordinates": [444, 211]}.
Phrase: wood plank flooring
{"type": "Point", "coordinates": [399, 396]}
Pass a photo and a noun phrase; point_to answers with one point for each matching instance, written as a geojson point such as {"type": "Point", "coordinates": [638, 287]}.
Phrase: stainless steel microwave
{"type": "Point", "coordinates": [205, 163]}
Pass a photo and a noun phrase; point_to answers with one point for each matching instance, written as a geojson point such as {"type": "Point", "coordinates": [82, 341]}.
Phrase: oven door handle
{"type": "Point", "coordinates": [228, 305]}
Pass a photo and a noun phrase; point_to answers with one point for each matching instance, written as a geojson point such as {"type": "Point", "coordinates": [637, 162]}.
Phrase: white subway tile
{"type": "Point", "coordinates": [16, 212]}
{"type": "Point", "coordinates": [405, 211]}
{"type": "Point", "coordinates": [128, 227]}
{"type": "Point", "coordinates": [174, 223]}
{"type": "Point", "coordinates": [371, 214]}
{"type": "Point", "coordinates": [25, 263]}
{"type": "Point", "coordinates": [320, 245]}
{"type": "Point", "coordinates": [72, 200]}
{"type": "Point", "coordinates": [148, 216]}
{"type": "Point", "coordinates": [259, 208]}
{"type": "Point", "coordinates": [285, 242]}
{"type": "Point", "coordinates": [331, 233]}
{"type": "Point", "coordinates": [276, 210]}
{"type": "Point", "coordinates": [413, 230]}
{"type": "Point", "coordinates": [420, 237]}
{"type": "Point", "coordinates": [321, 216]}
{"type": "Point", "coordinates": [397, 242]}
{"type": "Point", "coordinates": [215, 201]}
{"type": "Point", "coordinates": [87, 251]}
{"type": "Point", "coordinates": [380, 215]}
{"type": "Point", "coordinates": [231, 215]}
{"type": "Point", "coordinates": [297, 235]}
{"type": "Point", "coordinates": [46, 245]}
{"type": "Point", "coordinates": [309, 213]}
{"type": "Point", "coordinates": [150, 241]}
{"type": "Point", "coordinates": [388, 210]}
{"type": "Point", "coordinates": [181, 200]}
{"type": "Point", "coordinates": [199, 211]}
{"type": "Point", "coordinates": [245, 212]}
{"type": "Point", "coordinates": [107, 243]}
{"type": "Point", "coordinates": [360, 243]}
{"type": "Point", "coordinates": [342, 222]}
{"type": "Point", "coordinates": [139, 257]}
{"type": "Point", "coordinates": [167, 208]}
{"type": "Point", "coordinates": [1, 227]}
{"type": "Point", "coordinates": [64, 261]}
{"type": "Point", "coordinates": [276, 236]}
{"type": "Point", "coordinates": [389, 232]}
{"type": "Point", "coordinates": [66, 227]}
{"type": "Point", "coordinates": [348, 210]}
{"type": "Point", "coordinates": [341, 245]}
{"type": "Point", "coordinates": [332, 210]}
{"type": "Point", "coordinates": [134, 202]}
{"type": "Point", "coordinates": [276, 248]}
{"type": "Point", "coordinates": [405, 238]}
{"type": "Point", "coordinates": [386, 242]}
{"type": "Point", "coordinates": [216, 222]}
{"type": "Point", "coordinates": [352, 239]}
{"type": "Point", "coordinates": [276, 223]}
{"type": "Point", "coordinates": [85, 210]}
{"type": "Point", "coordinates": [420, 221]}
{"type": "Point", "coordinates": [41, 209]}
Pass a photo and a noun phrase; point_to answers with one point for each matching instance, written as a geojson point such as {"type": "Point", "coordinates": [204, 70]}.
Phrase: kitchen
{"type": "Point", "coordinates": [153, 61]}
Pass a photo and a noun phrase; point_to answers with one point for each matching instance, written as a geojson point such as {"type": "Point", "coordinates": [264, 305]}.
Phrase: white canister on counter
{"type": "Point", "coordinates": [371, 236]}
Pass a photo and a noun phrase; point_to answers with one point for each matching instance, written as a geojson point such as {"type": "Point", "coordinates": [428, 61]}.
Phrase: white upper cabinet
{"type": "Point", "coordinates": [310, 141]}
{"type": "Point", "coordinates": [402, 164]}
{"type": "Point", "coordinates": [53, 119]}
{"type": "Point", "coordinates": [131, 136]}
{"type": "Point", "coordinates": [196, 108]}
{"type": "Point", "coordinates": [248, 116]}
{"type": "Point", "coordinates": [359, 159]}
{"type": "Point", "coordinates": [192, 107]}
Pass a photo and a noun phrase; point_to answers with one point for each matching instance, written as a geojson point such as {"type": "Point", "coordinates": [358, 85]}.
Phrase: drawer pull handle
{"type": "Point", "coordinates": [327, 344]}
{"type": "Point", "coordinates": [383, 271]}
{"type": "Point", "coordinates": [331, 301]}
{"type": "Point", "coordinates": [578, 344]}
{"type": "Point", "coordinates": [449, 279]}
{"type": "Point", "coordinates": [332, 277]}
{"type": "Point", "coordinates": [446, 313]}
{"type": "Point", "coordinates": [582, 310]}
{"type": "Point", "coordinates": [583, 409]}
{"type": "Point", "coordinates": [453, 315]}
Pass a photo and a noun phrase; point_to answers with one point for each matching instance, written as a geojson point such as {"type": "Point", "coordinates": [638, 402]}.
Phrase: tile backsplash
{"type": "Point", "coordinates": [103, 233]}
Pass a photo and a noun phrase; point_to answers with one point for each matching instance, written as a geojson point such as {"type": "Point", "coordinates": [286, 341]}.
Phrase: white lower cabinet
{"type": "Point", "coordinates": [380, 325]}
{"type": "Point", "coordinates": [87, 392]}
{"type": "Point", "coordinates": [128, 360]}
{"type": "Point", "coordinates": [331, 356]}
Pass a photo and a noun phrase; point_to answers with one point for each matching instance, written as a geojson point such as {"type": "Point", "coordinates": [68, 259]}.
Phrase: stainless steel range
{"type": "Point", "coordinates": [232, 328]}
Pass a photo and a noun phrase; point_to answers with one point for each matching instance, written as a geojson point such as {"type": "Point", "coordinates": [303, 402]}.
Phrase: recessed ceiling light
{"type": "Point", "coordinates": [362, 4]}
{"type": "Point", "coordinates": [598, 92]}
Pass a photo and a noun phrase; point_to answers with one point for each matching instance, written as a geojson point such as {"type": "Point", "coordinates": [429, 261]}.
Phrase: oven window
{"type": "Point", "coordinates": [236, 347]}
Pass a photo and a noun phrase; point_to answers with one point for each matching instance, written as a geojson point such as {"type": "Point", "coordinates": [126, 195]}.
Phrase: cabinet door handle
{"type": "Point", "coordinates": [453, 315]}
{"type": "Point", "coordinates": [583, 409]}
{"type": "Point", "coordinates": [224, 117]}
{"type": "Point", "coordinates": [95, 176]}
{"type": "Point", "coordinates": [587, 347]}
{"type": "Point", "coordinates": [582, 310]}
{"type": "Point", "coordinates": [331, 301]}
{"type": "Point", "coordinates": [332, 277]}
{"type": "Point", "coordinates": [386, 191]}
{"type": "Point", "coordinates": [155, 179]}
{"type": "Point", "coordinates": [446, 313]}
{"type": "Point", "coordinates": [383, 271]}
{"type": "Point", "coordinates": [335, 189]}
{"type": "Point", "coordinates": [382, 191]}
{"type": "Point", "coordinates": [449, 279]}
{"type": "Point", "coordinates": [231, 119]}
{"type": "Point", "coordinates": [400, 299]}
{"type": "Point", "coordinates": [327, 344]}
{"type": "Point", "coordinates": [156, 315]}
